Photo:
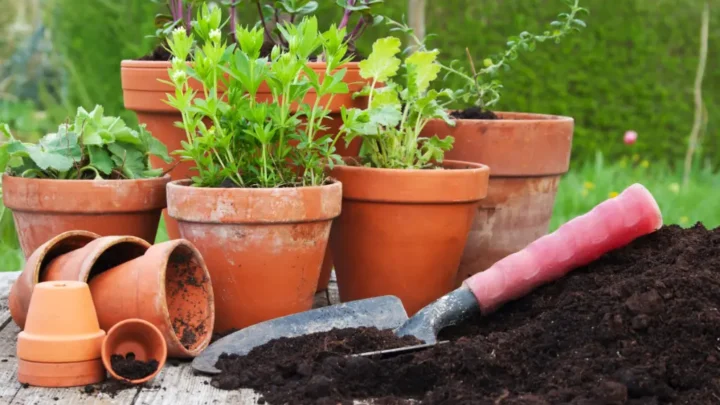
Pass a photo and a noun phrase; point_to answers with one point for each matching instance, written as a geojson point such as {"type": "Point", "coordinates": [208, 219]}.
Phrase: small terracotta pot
{"type": "Point", "coordinates": [61, 343]}
{"type": "Point", "coordinates": [402, 232]}
{"type": "Point", "coordinates": [44, 208]}
{"type": "Point", "coordinates": [94, 258]}
{"type": "Point", "coordinates": [169, 286]}
{"type": "Point", "coordinates": [144, 94]}
{"type": "Point", "coordinates": [135, 336]}
{"type": "Point", "coordinates": [527, 155]}
{"type": "Point", "coordinates": [21, 290]}
{"type": "Point", "coordinates": [263, 246]}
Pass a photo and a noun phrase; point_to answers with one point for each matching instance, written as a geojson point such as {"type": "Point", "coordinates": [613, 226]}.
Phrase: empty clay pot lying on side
{"type": "Point", "coordinates": [61, 343]}
{"type": "Point", "coordinates": [169, 286]}
{"type": "Point", "coordinates": [127, 344]}
{"type": "Point", "coordinates": [22, 289]}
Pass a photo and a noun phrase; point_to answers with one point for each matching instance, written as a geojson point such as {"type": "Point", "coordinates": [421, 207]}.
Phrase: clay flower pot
{"type": "Point", "coordinates": [44, 208]}
{"type": "Point", "coordinates": [402, 232]}
{"type": "Point", "coordinates": [21, 291]}
{"type": "Point", "coordinates": [61, 343]}
{"type": "Point", "coordinates": [169, 286]}
{"type": "Point", "coordinates": [142, 339]}
{"type": "Point", "coordinates": [263, 246]}
{"type": "Point", "coordinates": [94, 258]}
{"type": "Point", "coordinates": [527, 155]}
{"type": "Point", "coordinates": [144, 94]}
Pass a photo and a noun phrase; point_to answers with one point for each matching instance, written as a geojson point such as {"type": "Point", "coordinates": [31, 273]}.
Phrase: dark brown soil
{"type": "Point", "coordinates": [220, 335]}
{"type": "Point", "coordinates": [160, 53]}
{"type": "Point", "coordinates": [109, 387]}
{"type": "Point", "coordinates": [129, 367]}
{"type": "Point", "coordinates": [639, 326]}
{"type": "Point", "coordinates": [474, 113]}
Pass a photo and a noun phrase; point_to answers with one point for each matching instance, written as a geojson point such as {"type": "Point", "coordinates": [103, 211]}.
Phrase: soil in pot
{"type": "Point", "coordinates": [474, 113]}
{"type": "Point", "coordinates": [129, 367]}
{"type": "Point", "coordinates": [638, 326]}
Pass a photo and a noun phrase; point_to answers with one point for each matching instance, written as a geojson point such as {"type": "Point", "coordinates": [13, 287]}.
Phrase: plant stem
{"type": "Point", "coordinates": [346, 15]}
{"type": "Point", "coordinates": [262, 19]}
{"type": "Point", "coordinates": [232, 21]}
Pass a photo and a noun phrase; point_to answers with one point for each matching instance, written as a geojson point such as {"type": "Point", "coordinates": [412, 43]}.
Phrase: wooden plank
{"type": "Point", "coordinates": [333, 294]}
{"type": "Point", "coordinates": [9, 386]}
{"type": "Point", "coordinates": [177, 385]}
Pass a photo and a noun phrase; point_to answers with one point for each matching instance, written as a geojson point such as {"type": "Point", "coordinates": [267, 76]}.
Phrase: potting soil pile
{"type": "Point", "coordinates": [641, 325]}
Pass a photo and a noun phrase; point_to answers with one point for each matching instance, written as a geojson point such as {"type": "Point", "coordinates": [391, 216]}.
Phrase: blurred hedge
{"type": "Point", "coordinates": [632, 68]}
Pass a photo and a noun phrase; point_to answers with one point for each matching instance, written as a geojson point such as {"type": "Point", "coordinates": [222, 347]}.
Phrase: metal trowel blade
{"type": "Point", "coordinates": [385, 312]}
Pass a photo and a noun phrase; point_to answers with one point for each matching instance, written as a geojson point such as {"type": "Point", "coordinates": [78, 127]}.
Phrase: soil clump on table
{"type": "Point", "coordinates": [131, 368]}
{"type": "Point", "coordinates": [639, 326]}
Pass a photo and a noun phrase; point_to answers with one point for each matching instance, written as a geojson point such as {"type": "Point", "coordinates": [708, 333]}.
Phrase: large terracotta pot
{"type": "Point", "coordinates": [402, 232]}
{"type": "Point", "coordinates": [527, 155]}
{"type": "Point", "coordinates": [145, 94]}
{"type": "Point", "coordinates": [263, 246]}
{"type": "Point", "coordinates": [45, 208]}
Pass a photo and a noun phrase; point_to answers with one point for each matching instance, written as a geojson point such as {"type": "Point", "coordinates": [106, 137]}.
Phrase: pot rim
{"type": "Point", "coordinates": [245, 205]}
{"type": "Point", "coordinates": [104, 244]}
{"type": "Point", "coordinates": [106, 356]}
{"type": "Point", "coordinates": [415, 186]}
{"type": "Point", "coordinates": [125, 190]}
{"type": "Point", "coordinates": [525, 117]}
{"type": "Point", "coordinates": [162, 274]}
{"type": "Point", "coordinates": [163, 64]}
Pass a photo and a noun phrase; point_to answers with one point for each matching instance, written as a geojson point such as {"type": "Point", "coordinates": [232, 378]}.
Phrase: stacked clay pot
{"type": "Point", "coordinates": [61, 343]}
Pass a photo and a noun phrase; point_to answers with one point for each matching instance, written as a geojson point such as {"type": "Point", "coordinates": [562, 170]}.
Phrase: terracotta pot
{"type": "Point", "coordinates": [527, 155]}
{"type": "Point", "coordinates": [135, 336]}
{"type": "Point", "coordinates": [144, 94]}
{"type": "Point", "coordinates": [94, 258]}
{"type": "Point", "coordinates": [22, 288]}
{"type": "Point", "coordinates": [402, 232]}
{"type": "Point", "coordinates": [263, 246]}
{"type": "Point", "coordinates": [62, 330]}
{"type": "Point", "coordinates": [169, 286]}
{"type": "Point", "coordinates": [44, 208]}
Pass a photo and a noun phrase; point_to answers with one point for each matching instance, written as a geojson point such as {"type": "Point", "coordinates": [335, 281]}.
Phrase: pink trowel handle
{"type": "Point", "coordinates": [611, 224]}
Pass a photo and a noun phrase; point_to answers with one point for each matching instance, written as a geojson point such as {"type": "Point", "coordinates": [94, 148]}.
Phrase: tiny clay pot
{"type": "Point", "coordinates": [22, 289]}
{"type": "Point", "coordinates": [169, 286]}
{"type": "Point", "coordinates": [61, 343]}
{"type": "Point", "coordinates": [141, 338]}
{"type": "Point", "coordinates": [44, 208]}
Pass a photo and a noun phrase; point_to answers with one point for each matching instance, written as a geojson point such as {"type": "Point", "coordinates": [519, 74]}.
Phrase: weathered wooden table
{"type": "Point", "coordinates": [176, 385]}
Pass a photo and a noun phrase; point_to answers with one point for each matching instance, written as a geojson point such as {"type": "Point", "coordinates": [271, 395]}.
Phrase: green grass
{"type": "Point", "coordinates": [593, 182]}
{"type": "Point", "coordinates": [580, 190]}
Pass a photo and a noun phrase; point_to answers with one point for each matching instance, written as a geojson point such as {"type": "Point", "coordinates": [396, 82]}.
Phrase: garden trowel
{"type": "Point", "coordinates": [385, 312]}
{"type": "Point", "coordinates": [610, 225]}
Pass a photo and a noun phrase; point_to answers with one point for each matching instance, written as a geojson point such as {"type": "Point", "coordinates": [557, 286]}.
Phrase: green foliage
{"type": "Point", "coordinates": [91, 38]}
{"type": "Point", "coordinates": [248, 142]}
{"type": "Point", "coordinates": [632, 67]}
{"type": "Point", "coordinates": [397, 112]}
{"type": "Point", "coordinates": [591, 182]}
{"type": "Point", "coordinates": [92, 147]}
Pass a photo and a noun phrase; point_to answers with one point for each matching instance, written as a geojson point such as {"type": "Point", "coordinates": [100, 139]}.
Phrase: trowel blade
{"type": "Point", "coordinates": [385, 312]}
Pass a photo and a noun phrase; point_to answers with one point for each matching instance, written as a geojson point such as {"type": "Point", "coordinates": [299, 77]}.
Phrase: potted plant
{"type": "Point", "coordinates": [406, 211]}
{"type": "Point", "coordinates": [258, 210]}
{"type": "Point", "coordinates": [527, 153]}
{"type": "Point", "coordinates": [93, 174]}
{"type": "Point", "coordinates": [145, 81]}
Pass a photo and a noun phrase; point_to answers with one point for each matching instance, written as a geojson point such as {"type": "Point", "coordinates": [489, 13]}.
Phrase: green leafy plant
{"type": "Point", "coordinates": [237, 138]}
{"type": "Point", "coordinates": [93, 146]}
{"type": "Point", "coordinates": [273, 12]}
{"type": "Point", "coordinates": [481, 89]}
{"type": "Point", "coordinates": [397, 112]}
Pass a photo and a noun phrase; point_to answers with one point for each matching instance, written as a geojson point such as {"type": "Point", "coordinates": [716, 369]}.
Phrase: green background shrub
{"type": "Point", "coordinates": [632, 68]}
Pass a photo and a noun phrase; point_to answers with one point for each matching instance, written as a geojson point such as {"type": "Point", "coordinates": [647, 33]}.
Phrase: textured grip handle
{"type": "Point", "coordinates": [612, 224]}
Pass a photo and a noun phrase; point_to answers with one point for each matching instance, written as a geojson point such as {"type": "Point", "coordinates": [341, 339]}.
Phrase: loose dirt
{"type": "Point", "coordinates": [639, 326]}
{"type": "Point", "coordinates": [474, 113]}
{"type": "Point", "coordinates": [129, 367]}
